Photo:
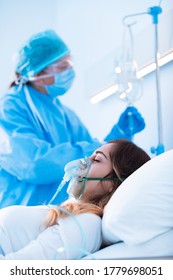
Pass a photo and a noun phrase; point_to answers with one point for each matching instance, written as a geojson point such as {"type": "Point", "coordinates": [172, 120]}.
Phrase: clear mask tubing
{"type": "Point", "coordinates": [80, 251]}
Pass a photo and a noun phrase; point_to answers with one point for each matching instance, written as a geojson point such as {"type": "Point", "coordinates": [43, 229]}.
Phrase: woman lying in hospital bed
{"type": "Point", "coordinates": [138, 219]}
{"type": "Point", "coordinates": [73, 229]}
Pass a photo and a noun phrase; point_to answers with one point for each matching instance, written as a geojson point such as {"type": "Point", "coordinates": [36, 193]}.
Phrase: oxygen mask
{"type": "Point", "coordinates": [76, 172]}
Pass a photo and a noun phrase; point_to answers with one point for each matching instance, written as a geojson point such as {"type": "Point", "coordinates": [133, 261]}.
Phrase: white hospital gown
{"type": "Point", "coordinates": [23, 235]}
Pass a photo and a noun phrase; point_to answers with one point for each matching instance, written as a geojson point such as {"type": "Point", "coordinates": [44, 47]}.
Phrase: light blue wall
{"type": "Point", "coordinates": [93, 30]}
{"type": "Point", "coordinates": [19, 19]}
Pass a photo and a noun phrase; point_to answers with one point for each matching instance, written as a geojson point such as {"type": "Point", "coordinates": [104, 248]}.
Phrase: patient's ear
{"type": "Point", "coordinates": [110, 187]}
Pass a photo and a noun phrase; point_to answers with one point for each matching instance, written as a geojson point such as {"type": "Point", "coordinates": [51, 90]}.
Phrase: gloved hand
{"type": "Point", "coordinates": [129, 123]}
{"type": "Point", "coordinates": [129, 120]}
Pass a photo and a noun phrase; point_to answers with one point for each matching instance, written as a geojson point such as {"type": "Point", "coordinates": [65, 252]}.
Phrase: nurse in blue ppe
{"type": "Point", "coordinates": [39, 135]}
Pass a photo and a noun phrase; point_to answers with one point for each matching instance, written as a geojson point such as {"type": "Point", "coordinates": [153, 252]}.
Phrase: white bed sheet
{"type": "Point", "coordinates": [158, 247]}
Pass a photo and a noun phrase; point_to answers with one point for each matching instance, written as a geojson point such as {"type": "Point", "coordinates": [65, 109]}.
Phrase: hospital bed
{"type": "Point", "coordinates": [160, 247]}
{"type": "Point", "coordinates": [138, 220]}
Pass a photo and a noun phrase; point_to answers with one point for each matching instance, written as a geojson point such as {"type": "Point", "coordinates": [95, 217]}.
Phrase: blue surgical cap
{"type": "Point", "coordinates": [38, 52]}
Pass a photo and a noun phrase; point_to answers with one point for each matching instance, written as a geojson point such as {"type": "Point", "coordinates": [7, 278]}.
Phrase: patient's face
{"type": "Point", "coordinates": [101, 166]}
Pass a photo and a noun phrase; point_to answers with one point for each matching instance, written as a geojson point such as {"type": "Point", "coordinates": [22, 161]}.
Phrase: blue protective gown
{"type": "Point", "coordinates": [42, 135]}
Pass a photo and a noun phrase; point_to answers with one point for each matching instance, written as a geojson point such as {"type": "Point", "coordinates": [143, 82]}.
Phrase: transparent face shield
{"type": "Point", "coordinates": [60, 66]}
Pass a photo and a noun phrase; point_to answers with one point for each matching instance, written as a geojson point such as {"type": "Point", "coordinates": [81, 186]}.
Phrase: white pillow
{"type": "Point", "coordinates": [142, 207]}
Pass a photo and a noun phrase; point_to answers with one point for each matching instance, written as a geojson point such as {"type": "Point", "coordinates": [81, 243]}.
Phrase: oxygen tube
{"type": "Point", "coordinates": [80, 251]}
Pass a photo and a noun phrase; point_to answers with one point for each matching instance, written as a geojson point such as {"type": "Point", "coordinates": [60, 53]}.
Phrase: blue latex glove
{"type": "Point", "coordinates": [129, 123]}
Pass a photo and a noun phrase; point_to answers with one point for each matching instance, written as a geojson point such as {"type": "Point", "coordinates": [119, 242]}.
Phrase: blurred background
{"type": "Point", "coordinates": [93, 30]}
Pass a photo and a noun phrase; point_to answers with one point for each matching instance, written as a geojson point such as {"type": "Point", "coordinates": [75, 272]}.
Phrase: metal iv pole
{"type": "Point", "coordinates": [154, 12]}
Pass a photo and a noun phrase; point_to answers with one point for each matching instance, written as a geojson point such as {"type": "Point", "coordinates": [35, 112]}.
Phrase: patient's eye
{"type": "Point", "coordinates": [96, 160]}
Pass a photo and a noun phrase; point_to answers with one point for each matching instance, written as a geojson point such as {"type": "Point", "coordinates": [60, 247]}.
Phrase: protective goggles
{"type": "Point", "coordinates": [60, 66]}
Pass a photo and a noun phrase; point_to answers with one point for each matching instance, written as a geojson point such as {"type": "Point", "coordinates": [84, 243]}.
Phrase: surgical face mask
{"type": "Point", "coordinates": [63, 82]}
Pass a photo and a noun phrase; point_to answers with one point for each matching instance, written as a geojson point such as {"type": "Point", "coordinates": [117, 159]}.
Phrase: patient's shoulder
{"type": "Point", "coordinates": [15, 213]}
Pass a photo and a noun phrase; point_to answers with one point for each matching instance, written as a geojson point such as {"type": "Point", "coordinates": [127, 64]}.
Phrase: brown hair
{"type": "Point", "coordinates": [71, 208]}
{"type": "Point", "coordinates": [126, 157]}
{"type": "Point", "coordinates": [18, 77]}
